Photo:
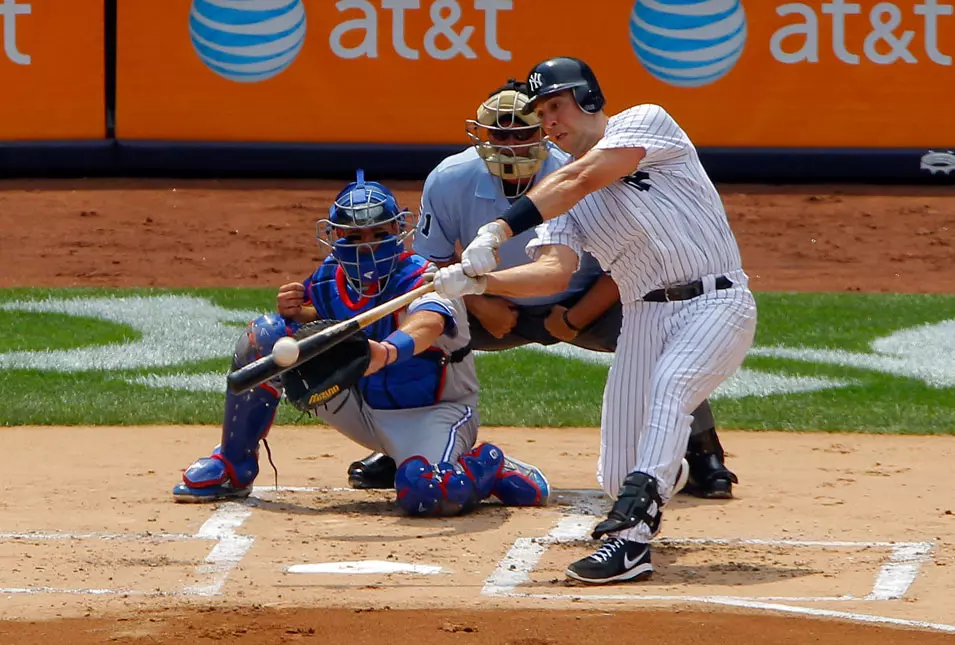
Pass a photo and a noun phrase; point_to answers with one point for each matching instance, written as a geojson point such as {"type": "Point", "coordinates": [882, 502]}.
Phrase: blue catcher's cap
{"type": "Point", "coordinates": [364, 204]}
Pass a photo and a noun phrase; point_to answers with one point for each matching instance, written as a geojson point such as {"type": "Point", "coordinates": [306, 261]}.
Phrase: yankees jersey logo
{"type": "Point", "coordinates": [536, 81]}
{"type": "Point", "coordinates": [638, 179]}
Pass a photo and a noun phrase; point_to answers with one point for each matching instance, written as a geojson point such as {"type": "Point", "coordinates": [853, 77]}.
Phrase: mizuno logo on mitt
{"type": "Point", "coordinates": [320, 397]}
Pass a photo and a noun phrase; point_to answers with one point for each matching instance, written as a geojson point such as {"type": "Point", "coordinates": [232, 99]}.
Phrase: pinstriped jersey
{"type": "Point", "coordinates": [664, 224]}
{"type": "Point", "coordinates": [427, 377]}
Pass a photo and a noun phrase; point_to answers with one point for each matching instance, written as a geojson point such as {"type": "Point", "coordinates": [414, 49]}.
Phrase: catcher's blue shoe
{"type": "Point", "coordinates": [521, 484]}
{"type": "Point", "coordinates": [207, 480]}
{"type": "Point", "coordinates": [217, 493]}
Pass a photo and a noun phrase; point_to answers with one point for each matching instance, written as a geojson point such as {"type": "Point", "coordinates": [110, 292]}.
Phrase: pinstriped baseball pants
{"type": "Point", "coordinates": [670, 357]}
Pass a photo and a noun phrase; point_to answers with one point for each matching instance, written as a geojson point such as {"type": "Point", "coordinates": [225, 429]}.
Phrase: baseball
{"type": "Point", "coordinates": [285, 351]}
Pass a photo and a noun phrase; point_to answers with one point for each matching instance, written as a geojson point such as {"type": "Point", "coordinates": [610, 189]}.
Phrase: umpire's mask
{"type": "Point", "coordinates": [509, 142]}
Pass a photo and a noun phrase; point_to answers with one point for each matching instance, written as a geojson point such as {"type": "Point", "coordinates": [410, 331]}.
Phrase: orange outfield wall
{"type": "Point", "coordinates": [52, 69]}
{"type": "Point", "coordinates": [760, 72]}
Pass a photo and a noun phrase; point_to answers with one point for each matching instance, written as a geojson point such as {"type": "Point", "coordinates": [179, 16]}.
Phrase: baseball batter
{"type": "Point", "coordinates": [638, 199]}
{"type": "Point", "coordinates": [417, 398]}
{"type": "Point", "coordinates": [472, 188]}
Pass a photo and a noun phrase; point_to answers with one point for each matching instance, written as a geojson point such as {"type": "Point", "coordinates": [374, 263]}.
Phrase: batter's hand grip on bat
{"type": "Point", "coordinates": [261, 370]}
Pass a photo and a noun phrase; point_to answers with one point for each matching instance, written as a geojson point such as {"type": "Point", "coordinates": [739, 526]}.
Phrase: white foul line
{"type": "Point", "coordinates": [828, 613]}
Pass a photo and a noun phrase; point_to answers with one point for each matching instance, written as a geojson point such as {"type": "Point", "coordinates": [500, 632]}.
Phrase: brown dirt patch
{"type": "Point", "coordinates": [259, 233]}
{"type": "Point", "coordinates": [132, 568]}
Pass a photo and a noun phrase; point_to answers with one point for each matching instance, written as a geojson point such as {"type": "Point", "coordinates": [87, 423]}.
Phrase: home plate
{"type": "Point", "coordinates": [365, 566]}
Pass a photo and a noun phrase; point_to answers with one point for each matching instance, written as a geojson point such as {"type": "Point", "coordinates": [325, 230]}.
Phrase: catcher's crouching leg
{"type": "Point", "coordinates": [234, 464]}
{"type": "Point", "coordinates": [435, 490]}
{"type": "Point", "coordinates": [511, 481]}
{"type": "Point", "coordinates": [446, 489]}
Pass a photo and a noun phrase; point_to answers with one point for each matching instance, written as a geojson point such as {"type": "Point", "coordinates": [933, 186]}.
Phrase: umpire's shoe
{"type": "Point", "coordinates": [618, 560]}
{"type": "Point", "coordinates": [377, 470]}
{"type": "Point", "coordinates": [709, 476]}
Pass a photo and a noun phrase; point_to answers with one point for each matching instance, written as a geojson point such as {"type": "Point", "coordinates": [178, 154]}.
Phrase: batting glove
{"type": "Point", "coordinates": [451, 282]}
{"type": "Point", "coordinates": [480, 256]}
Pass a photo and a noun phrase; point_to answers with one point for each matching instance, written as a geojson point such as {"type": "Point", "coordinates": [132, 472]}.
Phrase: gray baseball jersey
{"type": "Point", "coordinates": [440, 432]}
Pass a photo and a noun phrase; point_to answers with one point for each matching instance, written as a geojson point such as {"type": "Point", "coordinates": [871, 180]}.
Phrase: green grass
{"type": "Point", "coordinates": [521, 387]}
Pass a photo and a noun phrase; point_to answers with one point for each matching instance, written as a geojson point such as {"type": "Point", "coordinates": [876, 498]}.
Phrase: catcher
{"type": "Point", "coordinates": [409, 389]}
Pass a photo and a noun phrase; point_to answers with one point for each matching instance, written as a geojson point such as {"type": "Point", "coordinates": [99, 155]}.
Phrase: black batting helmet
{"type": "Point", "coordinates": [564, 73]}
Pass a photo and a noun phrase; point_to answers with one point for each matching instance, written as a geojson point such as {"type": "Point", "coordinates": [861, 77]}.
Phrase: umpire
{"type": "Point", "coordinates": [507, 156]}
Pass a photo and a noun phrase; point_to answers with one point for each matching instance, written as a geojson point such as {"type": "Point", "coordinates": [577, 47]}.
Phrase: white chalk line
{"type": "Point", "coordinates": [898, 574]}
{"type": "Point", "coordinates": [40, 535]}
{"type": "Point", "coordinates": [893, 580]}
{"type": "Point", "coordinates": [228, 551]}
{"type": "Point", "coordinates": [895, 576]}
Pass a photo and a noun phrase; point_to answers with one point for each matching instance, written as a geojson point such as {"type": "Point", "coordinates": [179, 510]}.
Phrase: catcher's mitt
{"type": "Point", "coordinates": [317, 381]}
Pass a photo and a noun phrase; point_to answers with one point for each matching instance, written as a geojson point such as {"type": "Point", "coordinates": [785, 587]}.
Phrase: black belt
{"type": "Point", "coordinates": [685, 291]}
{"type": "Point", "coordinates": [456, 356]}
{"type": "Point", "coordinates": [460, 354]}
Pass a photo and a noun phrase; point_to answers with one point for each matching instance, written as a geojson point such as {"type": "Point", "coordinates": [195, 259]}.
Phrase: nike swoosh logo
{"type": "Point", "coordinates": [628, 563]}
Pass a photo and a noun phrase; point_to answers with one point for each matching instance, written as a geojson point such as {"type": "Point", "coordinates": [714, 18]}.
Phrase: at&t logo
{"type": "Point", "coordinates": [688, 44]}
{"type": "Point", "coordinates": [253, 40]}
{"type": "Point", "coordinates": [247, 40]}
{"type": "Point", "coordinates": [9, 10]}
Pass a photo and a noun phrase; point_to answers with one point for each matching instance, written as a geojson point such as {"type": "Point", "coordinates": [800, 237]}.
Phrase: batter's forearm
{"type": "Point", "coordinates": [558, 192]}
{"type": "Point", "coordinates": [526, 281]}
{"type": "Point", "coordinates": [553, 196]}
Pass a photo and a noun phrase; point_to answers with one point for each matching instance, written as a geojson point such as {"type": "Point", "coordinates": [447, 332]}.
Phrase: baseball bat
{"type": "Point", "coordinates": [261, 370]}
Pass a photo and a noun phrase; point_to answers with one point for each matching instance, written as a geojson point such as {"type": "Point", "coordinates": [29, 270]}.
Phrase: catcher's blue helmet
{"type": "Point", "coordinates": [368, 264]}
{"type": "Point", "coordinates": [565, 73]}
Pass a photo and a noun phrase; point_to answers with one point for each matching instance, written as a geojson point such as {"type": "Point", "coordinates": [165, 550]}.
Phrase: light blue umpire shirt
{"type": "Point", "coordinates": [461, 195]}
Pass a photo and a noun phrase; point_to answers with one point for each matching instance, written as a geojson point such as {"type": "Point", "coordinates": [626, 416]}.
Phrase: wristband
{"type": "Point", "coordinates": [522, 215]}
{"type": "Point", "coordinates": [567, 322]}
{"type": "Point", "coordinates": [403, 343]}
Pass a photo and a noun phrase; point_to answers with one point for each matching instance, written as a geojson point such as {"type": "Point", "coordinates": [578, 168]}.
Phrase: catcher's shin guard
{"type": "Point", "coordinates": [439, 490]}
{"type": "Point", "coordinates": [234, 464]}
{"type": "Point", "coordinates": [520, 484]}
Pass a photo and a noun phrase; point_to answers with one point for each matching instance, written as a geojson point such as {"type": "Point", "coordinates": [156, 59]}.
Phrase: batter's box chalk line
{"type": "Point", "coordinates": [226, 553]}
{"type": "Point", "coordinates": [894, 578]}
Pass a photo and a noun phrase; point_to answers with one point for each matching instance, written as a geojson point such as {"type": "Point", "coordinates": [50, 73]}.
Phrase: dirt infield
{"type": "Point", "coordinates": [834, 539]}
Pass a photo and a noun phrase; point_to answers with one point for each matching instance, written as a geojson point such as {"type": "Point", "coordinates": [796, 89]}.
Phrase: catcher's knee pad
{"type": "Point", "coordinates": [483, 465]}
{"type": "Point", "coordinates": [433, 490]}
{"type": "Point", "coordinates": [259, 336]}
{"type": "Point", "coordinates": [520, 484]}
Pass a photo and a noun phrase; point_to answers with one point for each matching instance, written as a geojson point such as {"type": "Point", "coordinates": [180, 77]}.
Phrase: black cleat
{"type": "Point", "coordinates": [377, 470]}
{"type": "Point", "coordinates": [709, 477]}
{"type": "Point", "coordinates": [618, 560]}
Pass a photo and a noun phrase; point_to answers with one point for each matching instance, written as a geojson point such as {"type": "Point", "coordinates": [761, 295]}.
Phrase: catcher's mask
{"type": "Point", "coordinates": [507, 140]}
{"type": "Point", "coordinates": [365, 206]}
